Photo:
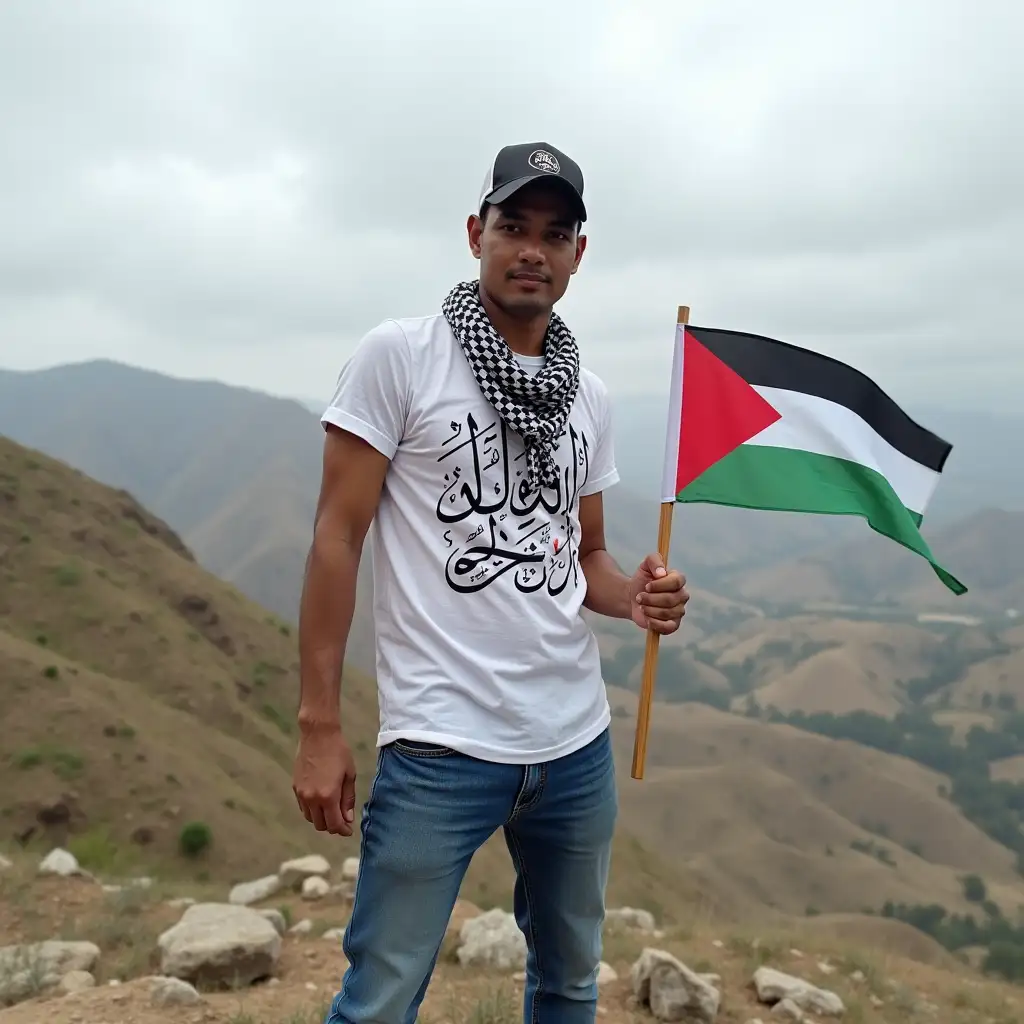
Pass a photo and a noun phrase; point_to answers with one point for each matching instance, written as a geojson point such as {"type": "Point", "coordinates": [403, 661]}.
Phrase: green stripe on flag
{"type": "Point", "coordinates": [790, 480]}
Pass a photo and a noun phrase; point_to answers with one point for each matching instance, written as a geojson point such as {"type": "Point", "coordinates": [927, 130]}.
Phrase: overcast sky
{"type": "Point", "coordinates": [240, 190]}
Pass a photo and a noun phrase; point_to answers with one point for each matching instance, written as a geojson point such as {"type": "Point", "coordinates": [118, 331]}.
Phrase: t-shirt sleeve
{"type": "Point", "coordinates": [371, 396]}
{"type": "Point", "coordinates": [603, 472]}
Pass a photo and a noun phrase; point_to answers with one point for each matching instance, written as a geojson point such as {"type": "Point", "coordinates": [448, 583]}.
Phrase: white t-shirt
{"type": "Point", "coordinates": [477, 586]}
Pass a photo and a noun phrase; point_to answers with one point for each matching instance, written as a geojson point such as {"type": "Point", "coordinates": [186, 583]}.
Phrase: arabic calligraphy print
{"type": "Point", "coordinates": [493, 525]}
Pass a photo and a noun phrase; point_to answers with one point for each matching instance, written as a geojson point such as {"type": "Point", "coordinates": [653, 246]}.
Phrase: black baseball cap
{"type": "Point", "coordinates": [518, 165]}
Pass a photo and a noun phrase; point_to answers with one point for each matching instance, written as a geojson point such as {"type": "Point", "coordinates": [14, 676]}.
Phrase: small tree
{"type": "Point", "coordinates": [195, 838]}
{"type": "Point", "coordinates": [974, 888]}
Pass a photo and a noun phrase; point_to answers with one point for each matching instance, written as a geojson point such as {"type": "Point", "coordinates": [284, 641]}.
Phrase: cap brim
{"type": "Point", "coordinates": [499, 195]}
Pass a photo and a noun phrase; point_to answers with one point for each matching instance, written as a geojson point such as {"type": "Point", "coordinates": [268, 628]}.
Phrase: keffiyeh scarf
{"type": "Point", "coordinates": [535, 407]}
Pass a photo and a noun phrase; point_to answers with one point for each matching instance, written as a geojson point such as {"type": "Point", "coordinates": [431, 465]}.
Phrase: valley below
{"type": "Point", "coordinates": [835, 771]}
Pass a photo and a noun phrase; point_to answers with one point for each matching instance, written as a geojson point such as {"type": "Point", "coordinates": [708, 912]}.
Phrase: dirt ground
{"type": "Point", "coordinates": [877, 987]}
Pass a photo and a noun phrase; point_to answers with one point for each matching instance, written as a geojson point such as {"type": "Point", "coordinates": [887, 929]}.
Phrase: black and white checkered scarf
{"type": "Point", "coordinates": [535, 407]}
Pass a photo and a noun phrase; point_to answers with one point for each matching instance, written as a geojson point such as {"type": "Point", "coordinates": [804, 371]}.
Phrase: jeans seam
{"type": "Point", "coordinates": [420, 752]}
{"type": "Point", "coordinates": [532, 916]}
{"type": "Point", "coordinates": [345, 947]}
{"type": "Point", "coordinates": [518, 810]}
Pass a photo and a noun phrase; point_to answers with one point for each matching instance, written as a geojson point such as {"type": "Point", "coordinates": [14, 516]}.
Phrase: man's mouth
{"type": "Point", "coordinates": [530, 277]}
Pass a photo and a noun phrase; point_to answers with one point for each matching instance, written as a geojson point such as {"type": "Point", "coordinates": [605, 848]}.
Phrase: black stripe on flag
{"type": "Point", "coordinates": [768, 363]}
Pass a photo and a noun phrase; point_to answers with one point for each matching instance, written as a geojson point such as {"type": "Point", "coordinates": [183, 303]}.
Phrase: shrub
{"type": "Point", "coordinates": [195, 838]}
{"type": "Point", "coordinates": [974, 888]}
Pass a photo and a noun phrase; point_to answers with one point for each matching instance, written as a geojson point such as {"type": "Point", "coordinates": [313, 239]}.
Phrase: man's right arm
{"type": "Point", "coordinates": [353, 475]}
{"type": "Point", "coordinates": [324, 775]}
{"type": "Point", "coordinates": [364, 423]}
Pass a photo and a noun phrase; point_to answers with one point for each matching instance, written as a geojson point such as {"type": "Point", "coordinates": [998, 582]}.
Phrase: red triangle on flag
{"type": "Point", "coordinates": [720, 411]}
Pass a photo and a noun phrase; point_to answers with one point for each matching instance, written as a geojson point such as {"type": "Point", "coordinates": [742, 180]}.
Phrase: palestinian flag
{"type": "Point", "coordinates": [757, 423]}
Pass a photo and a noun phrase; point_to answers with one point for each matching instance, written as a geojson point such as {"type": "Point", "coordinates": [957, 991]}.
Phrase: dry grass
{"type": "Point", "coordinates": [768, 816]}
{"type": "Point", "coordinates": [878, 983]}
{"type": "Point", "coordinates": [163, 697]}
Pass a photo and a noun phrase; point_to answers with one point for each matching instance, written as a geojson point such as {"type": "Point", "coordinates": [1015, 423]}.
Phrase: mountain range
{"type": "Point", "coordinates": [236, 472]}
{"type": "Point", "coordinates": [144, 697]}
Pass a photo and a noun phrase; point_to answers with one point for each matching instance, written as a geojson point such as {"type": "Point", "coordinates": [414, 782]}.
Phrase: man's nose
{"type": "Point", "coordinates": [531, 252]}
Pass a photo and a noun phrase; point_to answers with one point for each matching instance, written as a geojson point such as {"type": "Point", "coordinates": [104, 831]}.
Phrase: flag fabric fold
{"type": "Point", "coordinates": [758, 423]}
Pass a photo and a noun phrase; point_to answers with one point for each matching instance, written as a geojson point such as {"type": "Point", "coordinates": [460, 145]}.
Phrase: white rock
{"type": "Point", "coordinates": [788, 1010]}
{"type": "Point", "coordinates": [76, 981]}
{"type": "Point", "coordinates": [220, 944]}
{"type": "Point", "coordinates": [773, 986]}
{"type": "Point", "coordinates": [671, 990]}
{"type": "Point", "coordinates": [29, 969]}
{"type": "Point", "coordinates": [350, 869]}
{"type": "Point", "coordinates": [334, 934]}
{"type": "Point", "coordinates": [259, 889]}
{"type": "Point", "coordinates": [857, 976]}
{"type": "Point", "coordinates": [303, 927]}
{"type": "Point", "coordinates": [59, 862]}
{"type": "Point", "coordinates": [315, 888]}
{"type": "Point", "coordinates": [630, 917]}
{"type": "Point", "coordinates": [293, 872]}
{"type": "Point", "coordinates": [606, 974]}
{"type": "Point", "coordinates": [181, 902]}
{"type": "Point", "coordinates": [173, 992]}
{"type": "Point", "coordinates": [826, 968]}
{"type": "Point", "coordinates": [276, 918]}
{"type": "Point", "coordinates": [310, 986]}
{"type": "Point", "coordinates": [492, 939]}
{"type": "Point", "coordinates": [5, 864]}
{"type": "Point", "coordinates": [112, 890]}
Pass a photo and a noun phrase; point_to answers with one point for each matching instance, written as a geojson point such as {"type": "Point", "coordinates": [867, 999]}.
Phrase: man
{"type": "Point", "coordinates": [479, 449]}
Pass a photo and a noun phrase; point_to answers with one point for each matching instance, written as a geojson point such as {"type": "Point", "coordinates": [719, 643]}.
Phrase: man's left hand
{"type": "Point", "coordinates": [657, 596]}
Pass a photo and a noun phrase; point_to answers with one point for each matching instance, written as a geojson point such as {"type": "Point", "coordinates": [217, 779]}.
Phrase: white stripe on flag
{"type": "Point", "coordinates": [675, 410]}
{"type": "Point", "coordinates": [816, 425]}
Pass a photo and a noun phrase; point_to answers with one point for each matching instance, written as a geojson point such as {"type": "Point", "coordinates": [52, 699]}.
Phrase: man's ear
{"type": "Point", "coordinates": [581, 248]}
{"type": "Point", "coordinates": [474, 229]}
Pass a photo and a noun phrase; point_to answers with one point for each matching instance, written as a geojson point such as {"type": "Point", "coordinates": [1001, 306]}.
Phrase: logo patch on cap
{"type": "Point", "coordinates": [542, 160]}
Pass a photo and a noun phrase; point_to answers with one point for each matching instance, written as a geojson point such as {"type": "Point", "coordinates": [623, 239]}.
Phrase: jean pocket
{"type": "Point", "coordinates": [416, 748]}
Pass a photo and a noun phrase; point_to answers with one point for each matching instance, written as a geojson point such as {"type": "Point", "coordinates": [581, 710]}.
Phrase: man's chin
{"type": "Point", "coordinates": [526, 306]}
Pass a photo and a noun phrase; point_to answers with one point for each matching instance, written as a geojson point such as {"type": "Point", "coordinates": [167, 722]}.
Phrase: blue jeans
{"type": "Point", "coordinates": [428, 811]}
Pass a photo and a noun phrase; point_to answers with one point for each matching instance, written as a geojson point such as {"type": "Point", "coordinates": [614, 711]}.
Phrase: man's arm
{"type": "Point", "coordinates": [652, 597]}
{"type": "Point", "coordinates": [353, 475]}
{"type": "Point", "coordinates": [324, 775]}
{"type": "Point", "coordinates": [608, 587]}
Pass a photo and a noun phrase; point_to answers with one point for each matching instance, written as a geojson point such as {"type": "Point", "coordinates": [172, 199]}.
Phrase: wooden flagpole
{"type": "Point", "coordinates": [643, 710]}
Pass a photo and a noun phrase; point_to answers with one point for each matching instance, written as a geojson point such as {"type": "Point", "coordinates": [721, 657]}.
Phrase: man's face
{"type": "Point", "coordinates": [528, 248]}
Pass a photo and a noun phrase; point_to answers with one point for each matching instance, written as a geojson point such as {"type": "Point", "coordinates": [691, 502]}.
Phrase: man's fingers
{"type": "Point", "coordinates": [671, 581]}
{"type": "Point", "coordinates": [662, 626]}
{"type": "Point", "coordinates": [334, 820]}
{"type": "Point", "coordinates": [654, 565]}
{"type": "Point", "coordinates": [671, 599]}
{"type": "Point", "coordinates": [664, 614]}
{"type": "Point", "coordinates": [318, 817]}
{"type": "Point", "coordinates": [304, 807]}
{"type": "Point", "coordinates": [348, 798]}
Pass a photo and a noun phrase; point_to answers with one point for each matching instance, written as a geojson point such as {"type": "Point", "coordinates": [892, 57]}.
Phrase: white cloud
{"type": "Point", "coordinates": [242, 189]}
